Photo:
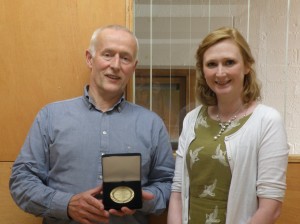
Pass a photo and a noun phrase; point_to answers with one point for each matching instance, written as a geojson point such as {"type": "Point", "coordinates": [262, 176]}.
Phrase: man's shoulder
{"type": "Point", "coordinates": [63, 104]}
{"type": "Point", "coordinates": [142, 112]}
{"type": "Point", "coordinates": [140, 109]}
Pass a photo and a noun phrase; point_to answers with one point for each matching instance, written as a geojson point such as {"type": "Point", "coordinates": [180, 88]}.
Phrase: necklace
{"type": "Point", "coordinates": [225, 125]}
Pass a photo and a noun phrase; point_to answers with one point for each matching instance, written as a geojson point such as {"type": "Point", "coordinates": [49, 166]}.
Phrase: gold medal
{"type": "Point", "coordinates": [122, 194]}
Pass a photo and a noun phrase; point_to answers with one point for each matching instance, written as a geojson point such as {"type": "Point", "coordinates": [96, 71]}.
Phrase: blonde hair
{"type": "Point", "coordinates": [251, 89]}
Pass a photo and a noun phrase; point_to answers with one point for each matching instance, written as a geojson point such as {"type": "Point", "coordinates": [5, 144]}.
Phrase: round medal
{"type": "Point", "coordinates": [122, 194]}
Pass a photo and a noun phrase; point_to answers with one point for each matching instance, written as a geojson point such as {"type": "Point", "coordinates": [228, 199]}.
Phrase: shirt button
{"type": "Point", "coordinates": [104, 132]}
{"type": "Point", "coordinates": [100, 177]}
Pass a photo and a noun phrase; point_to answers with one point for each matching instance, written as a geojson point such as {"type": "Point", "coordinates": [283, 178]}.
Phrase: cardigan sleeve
{"type": "Point", "coordinates": [272, 157]}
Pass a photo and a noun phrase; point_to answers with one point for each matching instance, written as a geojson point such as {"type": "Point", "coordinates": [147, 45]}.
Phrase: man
{"type": "Point", "coordinates": [58, 172]}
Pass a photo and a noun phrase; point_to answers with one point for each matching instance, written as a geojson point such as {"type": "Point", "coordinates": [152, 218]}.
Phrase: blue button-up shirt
{"type": "Point", "coordinates": [61, 156]}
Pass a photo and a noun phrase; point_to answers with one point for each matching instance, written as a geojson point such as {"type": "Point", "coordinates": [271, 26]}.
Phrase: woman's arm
{"type": "Point", "coordinates": [272, 166]}
{"type": "Point", "coordinates": [268, 211]}
{"type": "Point", "coordinates": [175, 211]}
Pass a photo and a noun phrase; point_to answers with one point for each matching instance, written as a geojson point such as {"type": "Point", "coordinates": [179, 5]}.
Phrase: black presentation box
{"type": "Point", "coordinates": [122, 181]}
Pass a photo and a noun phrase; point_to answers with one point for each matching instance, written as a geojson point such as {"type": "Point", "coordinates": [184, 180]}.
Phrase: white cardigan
{"type": "Point", "coordinates": [258, 156]}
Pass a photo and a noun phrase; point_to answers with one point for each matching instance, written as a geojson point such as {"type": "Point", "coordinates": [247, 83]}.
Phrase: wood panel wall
{"type": "Point", "coordinates": [290, 213]}
{"type": "Point", "coordinates": [42, 57]}
{"type": "Point", "coordinates": [42, 60]}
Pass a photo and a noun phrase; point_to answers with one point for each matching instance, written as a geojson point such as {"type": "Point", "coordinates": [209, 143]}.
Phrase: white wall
{"type": "Point", "coordinates": [272, 28]}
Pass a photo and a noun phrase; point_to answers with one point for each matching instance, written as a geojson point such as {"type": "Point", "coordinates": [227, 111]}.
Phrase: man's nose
{"type": "Point", "coordinates": [115, 62]}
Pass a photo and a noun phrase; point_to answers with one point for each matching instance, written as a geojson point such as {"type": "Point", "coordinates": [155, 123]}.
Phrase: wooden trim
{"type": "Point", "coordinates": [294, 158]}
{"type": "Point", "coordinates": [129, 14]}
{"type": "Point", "coordinates": [129, 18]}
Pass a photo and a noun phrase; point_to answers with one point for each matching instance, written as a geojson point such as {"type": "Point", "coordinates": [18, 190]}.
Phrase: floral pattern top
{"type": "Point", "coordinates": [209, 170]}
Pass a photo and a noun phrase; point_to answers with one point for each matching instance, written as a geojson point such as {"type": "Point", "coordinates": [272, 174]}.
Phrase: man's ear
{"type": "Point", "coordinates": [136, 62]}
{"type": "Point", "coordinates": [89, 58]}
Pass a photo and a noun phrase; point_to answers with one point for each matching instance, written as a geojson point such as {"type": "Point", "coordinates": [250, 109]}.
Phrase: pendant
{"type": "Point", "coordinates": [223, 128]}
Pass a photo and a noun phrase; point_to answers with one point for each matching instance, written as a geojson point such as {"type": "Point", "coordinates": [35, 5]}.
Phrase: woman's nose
{"type": "Point", "coordinates": [220, 70]}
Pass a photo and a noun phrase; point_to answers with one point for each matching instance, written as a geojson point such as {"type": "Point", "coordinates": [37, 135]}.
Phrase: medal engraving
{"type": "Point", "coordinates": [122, 194]}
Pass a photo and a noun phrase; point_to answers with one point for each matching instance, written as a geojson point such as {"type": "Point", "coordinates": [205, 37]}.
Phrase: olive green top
{"type": "Point", "coordinates": [209, 170]}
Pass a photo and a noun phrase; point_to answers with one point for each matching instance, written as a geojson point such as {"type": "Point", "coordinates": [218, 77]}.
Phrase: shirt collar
{"type": "Point", "coordinates": [91, 103]}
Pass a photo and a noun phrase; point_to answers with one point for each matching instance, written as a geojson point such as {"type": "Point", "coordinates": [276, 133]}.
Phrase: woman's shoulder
{"type": "Point", "coordinates": [267, 113]}
{"type": "Point", "coordinates": [194, 112]}
{"type": "Point", "coordinates": [191, 116]}
{"type": "Point", "coordinates": [264, 109]}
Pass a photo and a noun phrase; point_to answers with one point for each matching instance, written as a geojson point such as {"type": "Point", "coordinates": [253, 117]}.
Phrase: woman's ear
{"type": "Point", "coordinates": [89, 58]}
{"type": "Point", "coordinates": [247, 69]}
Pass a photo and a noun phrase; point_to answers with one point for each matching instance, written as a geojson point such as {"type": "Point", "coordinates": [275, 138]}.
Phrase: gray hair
{"type": "Point", "coordinates": [93, 41]}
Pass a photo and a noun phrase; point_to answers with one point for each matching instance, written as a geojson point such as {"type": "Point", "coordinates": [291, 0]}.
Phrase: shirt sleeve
{"type": "Point", "coordinates": [161, 172]}
{"type": "Point", "coordinates": [28, 181]}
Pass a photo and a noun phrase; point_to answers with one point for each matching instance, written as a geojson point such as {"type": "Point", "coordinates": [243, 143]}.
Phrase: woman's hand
{"type": "Point", "coordinates": [267, 213]}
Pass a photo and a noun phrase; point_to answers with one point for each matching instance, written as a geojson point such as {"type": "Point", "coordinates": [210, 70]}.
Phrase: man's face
{"type": "Point", "coordinates": [114, 62]}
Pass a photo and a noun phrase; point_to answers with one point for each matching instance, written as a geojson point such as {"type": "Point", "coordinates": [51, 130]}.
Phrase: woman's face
{"type": "Point", "coordinates": [224, 70]}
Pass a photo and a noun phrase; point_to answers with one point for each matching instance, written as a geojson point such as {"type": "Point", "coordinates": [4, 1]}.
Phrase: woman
{"type": "Point", "coordinates": [232, 155]}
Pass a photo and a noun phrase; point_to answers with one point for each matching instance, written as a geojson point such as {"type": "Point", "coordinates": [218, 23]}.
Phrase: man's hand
{"type": "Point", "coordinates": [86, 209]}
{"type": "Point", "coordinates": [127, 211]}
